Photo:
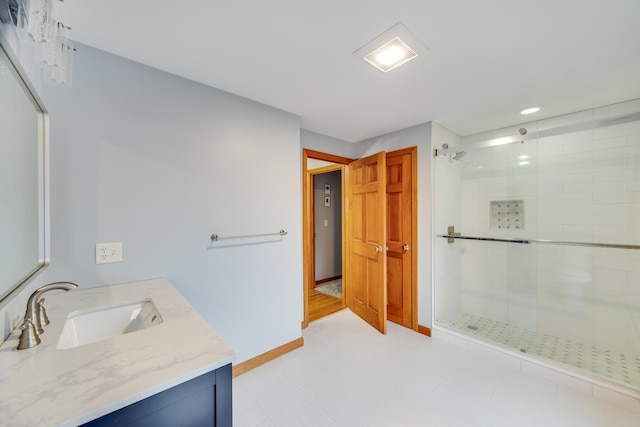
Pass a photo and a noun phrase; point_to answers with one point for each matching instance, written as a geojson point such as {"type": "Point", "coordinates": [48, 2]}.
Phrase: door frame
{"type": "Point", "coordinates": [307, 220]}
{"type": "Point", "coordinates": [308, 247]}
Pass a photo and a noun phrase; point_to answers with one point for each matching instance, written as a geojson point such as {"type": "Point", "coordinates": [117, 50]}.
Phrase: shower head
{"type": "Point", "coordinates": [459, 155]}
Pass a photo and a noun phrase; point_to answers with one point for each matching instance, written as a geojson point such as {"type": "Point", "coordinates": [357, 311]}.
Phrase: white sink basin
{"type": "Point", "coordinates": [99, 323]}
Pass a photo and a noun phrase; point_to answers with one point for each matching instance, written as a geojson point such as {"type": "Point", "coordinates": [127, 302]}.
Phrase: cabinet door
{"type": "Point", "coordinates": [224, 402]}
{"type": "Point", "coordinates": [202, 401]}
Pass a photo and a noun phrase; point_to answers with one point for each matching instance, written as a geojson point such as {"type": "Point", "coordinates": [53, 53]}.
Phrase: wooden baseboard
{"type": "Point", "coordinates": [424, 330]}
{"type": "Point", "coordinates": [328, 279]}
{"type": "Point", "coordinates": [263, 358]}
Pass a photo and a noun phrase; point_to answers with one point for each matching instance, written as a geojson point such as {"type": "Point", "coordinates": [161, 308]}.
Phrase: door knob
{"type": "Point", "coordinates": [405, 247]}
{"type": "Point", "coordinates": [378, 248]}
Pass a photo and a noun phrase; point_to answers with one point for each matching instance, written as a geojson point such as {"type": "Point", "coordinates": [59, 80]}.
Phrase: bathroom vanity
{"type": "Point", "coordinates": [172, 370]}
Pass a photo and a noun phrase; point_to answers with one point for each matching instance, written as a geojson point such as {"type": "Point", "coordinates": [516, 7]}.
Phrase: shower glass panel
{"type": "Point", "coordinates": [528, 270]}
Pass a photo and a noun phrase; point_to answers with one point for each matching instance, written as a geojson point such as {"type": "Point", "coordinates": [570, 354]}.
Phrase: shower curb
{"type": "Point", "coordinates": [560, 375]}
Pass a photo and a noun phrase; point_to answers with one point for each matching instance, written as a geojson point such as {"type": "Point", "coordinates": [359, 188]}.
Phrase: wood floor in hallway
{"type": "Point", "coordinates": [321, 305]}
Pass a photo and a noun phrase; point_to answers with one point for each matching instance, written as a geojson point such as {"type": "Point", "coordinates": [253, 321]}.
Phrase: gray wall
{"type": "Point", "coordinates": [326, 144]}
{"type": "Point", "coordinates": [159, 163]}
{"type": "Point", "coordinates": [328, 240]}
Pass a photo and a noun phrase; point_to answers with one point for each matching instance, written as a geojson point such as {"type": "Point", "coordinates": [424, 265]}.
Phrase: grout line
{"type": "Point", "coordinates": [604, 361]}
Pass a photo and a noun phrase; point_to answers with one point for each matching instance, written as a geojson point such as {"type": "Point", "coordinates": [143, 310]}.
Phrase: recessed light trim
{"type": "Point", "coordinates": [531, 110]}
{"type": "Point", "coordinates": [390, 55]}
{"type": "Point", "coordinates": [392, 48]}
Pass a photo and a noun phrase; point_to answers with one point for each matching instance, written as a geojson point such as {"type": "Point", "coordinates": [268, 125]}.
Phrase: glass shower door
{"type": "Point", "coordinates": [489, 193]}
{"type": "Point", "coordinates": [543, 256]}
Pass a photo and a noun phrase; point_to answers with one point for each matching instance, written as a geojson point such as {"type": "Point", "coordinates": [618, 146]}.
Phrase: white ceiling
{"type": "Point", "coordinates": [486, 60]}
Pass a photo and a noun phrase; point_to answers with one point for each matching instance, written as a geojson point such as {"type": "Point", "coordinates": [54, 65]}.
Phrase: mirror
{"type": "Point", "coordinates": [23, 179]}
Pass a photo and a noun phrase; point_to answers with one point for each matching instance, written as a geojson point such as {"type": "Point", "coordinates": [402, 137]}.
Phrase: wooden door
{"type": "Point", "coordinates": [400, 232]}
{"type": "Point", "coordinates": [366, 237]}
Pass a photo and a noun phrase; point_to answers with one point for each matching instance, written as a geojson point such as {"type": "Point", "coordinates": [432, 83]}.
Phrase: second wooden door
{"type": "Point", "coordinates": [400, 240]}
{"type": "Point", "coordinates": [366, 239]}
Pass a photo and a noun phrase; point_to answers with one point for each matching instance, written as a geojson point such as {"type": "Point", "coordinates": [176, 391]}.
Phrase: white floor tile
{"type": "Point", "coordinates": [246, 410]}
{"type": "Point", "coordinates": [347, 374]}
{"type": "Point", "coordinates": [582, 410]}
{"type": "Point", "coordinates": [557, 377]}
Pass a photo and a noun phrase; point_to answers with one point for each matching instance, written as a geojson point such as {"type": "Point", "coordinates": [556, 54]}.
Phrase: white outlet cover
{"type": "Point", "coordinates": [108, 252]}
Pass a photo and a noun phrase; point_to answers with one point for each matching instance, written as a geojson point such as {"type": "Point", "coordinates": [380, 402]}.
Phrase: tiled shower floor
{"type": "Point", "coordinates": [620, 367]}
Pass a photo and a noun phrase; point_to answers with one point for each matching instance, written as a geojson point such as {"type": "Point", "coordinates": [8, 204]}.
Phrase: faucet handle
{"type": "Point", "coordinates": [28, 337]}
{"type": "Point", "coordinates": [42, 313]}
{"type": "Point", "coordinates": [35, 319]}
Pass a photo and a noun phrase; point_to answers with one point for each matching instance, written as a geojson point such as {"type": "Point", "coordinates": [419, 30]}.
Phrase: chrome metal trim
{"type": "Point", "coordinates": [215, 237]}
{"type": "Point", "coordinates": [484, 239]}
{"type": "Point", "coordinates": [587, 244]}
{"type": "Point", "coordinates": [542, 242]}
{"type": "Point", "coordinates": [594, 124]}
{"type": "Point", "coordinates": [481, 144]}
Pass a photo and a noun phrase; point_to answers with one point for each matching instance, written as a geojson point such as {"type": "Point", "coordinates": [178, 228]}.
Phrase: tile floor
{"type": "Point", "coordinates": [347, 374]}
{"type": "Point", "coordinates": [620, 366]}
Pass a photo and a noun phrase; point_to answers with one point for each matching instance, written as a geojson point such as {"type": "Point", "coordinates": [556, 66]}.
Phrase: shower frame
{"type": "Point", "coordinates": [538, 134]}
{"type": "Point", "coordinates": [452, 237]}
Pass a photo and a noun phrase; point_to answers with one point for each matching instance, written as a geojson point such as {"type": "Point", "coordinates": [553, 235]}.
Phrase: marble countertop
{"type": "Point", "coordinates": [44, 386]}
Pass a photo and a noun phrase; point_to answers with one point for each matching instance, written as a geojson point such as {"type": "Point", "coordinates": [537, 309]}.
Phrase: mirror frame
{"type": "Point", "coordinates": [43, 173]}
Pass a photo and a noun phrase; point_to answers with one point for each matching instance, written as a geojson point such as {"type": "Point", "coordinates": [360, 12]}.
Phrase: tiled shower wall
{"type": "Point", "coordinates": [583, 187]}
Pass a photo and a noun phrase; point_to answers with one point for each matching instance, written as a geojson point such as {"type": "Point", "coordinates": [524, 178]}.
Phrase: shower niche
{"type": "Point", "coordinates": [507, 214]}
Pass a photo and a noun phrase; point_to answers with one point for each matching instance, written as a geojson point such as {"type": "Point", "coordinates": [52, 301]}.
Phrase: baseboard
{"type": "Point", "coordinates": [328, 279]}
{"type": "Point", "coordinates": [424, 330]}
{"type": "Point", "coordinates": [263, 358]}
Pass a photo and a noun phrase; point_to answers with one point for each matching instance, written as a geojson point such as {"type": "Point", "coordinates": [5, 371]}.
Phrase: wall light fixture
{"type": "Point", "coordinates": [36, 21]}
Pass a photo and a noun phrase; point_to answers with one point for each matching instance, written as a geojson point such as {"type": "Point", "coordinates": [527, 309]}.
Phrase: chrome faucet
{"type": "Point", "coordinates": [36, 315]}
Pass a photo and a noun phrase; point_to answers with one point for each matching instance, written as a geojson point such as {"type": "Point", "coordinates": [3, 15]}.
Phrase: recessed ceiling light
{"type": "Point", "coordinates": [390, 55]}
{"type": "Point", "coordinates": [392, 48]}
{"type": "Point", "coordinates": [531, 110]}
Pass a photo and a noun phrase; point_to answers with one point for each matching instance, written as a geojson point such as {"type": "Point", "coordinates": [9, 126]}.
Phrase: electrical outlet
{"type": "Point", "coordinates": [108, 252]}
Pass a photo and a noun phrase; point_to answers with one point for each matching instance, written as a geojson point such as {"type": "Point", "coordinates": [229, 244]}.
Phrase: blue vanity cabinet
{"type": "Point", "coordinates": [202, 401]}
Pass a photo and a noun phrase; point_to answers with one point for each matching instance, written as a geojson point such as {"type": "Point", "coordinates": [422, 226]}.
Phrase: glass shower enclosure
{"type": "Point", "coordinates": [537, 245]}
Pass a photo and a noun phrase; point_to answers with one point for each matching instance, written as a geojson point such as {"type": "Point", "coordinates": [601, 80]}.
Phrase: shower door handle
{"type": "Point", "coordinates": [405, 247]}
